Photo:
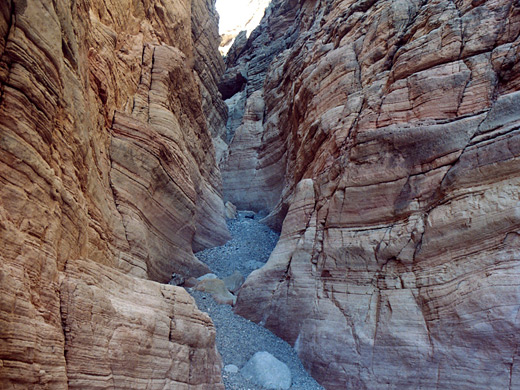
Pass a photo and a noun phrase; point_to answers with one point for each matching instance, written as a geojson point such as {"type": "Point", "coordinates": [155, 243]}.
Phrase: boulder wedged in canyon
{"type": "Point", "coordinates": [398, 263]}
{"type": "Point", "coordinates": [105, 154]}
{"type": "Point", "coordinates": [122, 332]}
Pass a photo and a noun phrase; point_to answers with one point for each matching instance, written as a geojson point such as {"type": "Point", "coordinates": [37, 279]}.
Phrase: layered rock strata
{"type": "Point", "coordinates": [128, 333]}
{"type": "Point", "coordinates": [208, 70]}
{"type": "Point", "coordinates": [106, 155]}
{"type": "Point", "coordinates": [253, 167]}
{"type": "Point", "coordinates": [394, 126]}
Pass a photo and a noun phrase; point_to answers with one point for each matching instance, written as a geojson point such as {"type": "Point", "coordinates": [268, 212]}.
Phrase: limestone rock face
{"type": "Point", "coordinates": [127, 333]}
{"type": "Point", "coordinates": [396, 126]}
{"type": "Point", "coordinates": [105, 155]}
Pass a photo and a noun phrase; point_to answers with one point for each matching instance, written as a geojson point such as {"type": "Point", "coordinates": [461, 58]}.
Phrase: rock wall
{"type": "Point", "coordinates": [127, 333]}
{"type": "Point", "coordinates": [253, 167]}
{"type": "Point", "coordinates": [396, 131]}
{"type": "Point", "coordinates": [106, 155]}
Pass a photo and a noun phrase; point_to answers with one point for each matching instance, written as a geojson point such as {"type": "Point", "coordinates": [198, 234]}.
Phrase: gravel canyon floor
{"type": "Point", "coordinates": [238, 339]}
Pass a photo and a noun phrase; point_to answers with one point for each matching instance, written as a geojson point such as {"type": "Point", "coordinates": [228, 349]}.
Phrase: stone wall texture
{"type": "Point", "coordinates": [107, 112]}
{"type": "Point", "coordinates": [391, 131]}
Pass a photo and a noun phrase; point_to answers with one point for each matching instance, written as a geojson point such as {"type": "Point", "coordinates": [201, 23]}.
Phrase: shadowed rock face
{"type": "Point", "coordinates": [254, 166]}
{"type": "Point", "coordinates": [393, 128]}
{"type": "Point", "coordinates": [105, 155]}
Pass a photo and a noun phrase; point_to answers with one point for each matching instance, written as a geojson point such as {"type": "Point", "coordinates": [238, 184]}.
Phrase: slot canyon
{"type": "Point", "coordinates": [380, 138]}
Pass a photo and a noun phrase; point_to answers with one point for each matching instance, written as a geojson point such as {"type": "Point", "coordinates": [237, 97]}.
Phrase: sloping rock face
{"type": "Point", "coordinates": [253, 168]}
{"type": "Point", "coordinates": [398, 264]}
{"type": "Point", "coordinates": [105, 155]}
{"type": "Point", "coordinates": [128, 333]}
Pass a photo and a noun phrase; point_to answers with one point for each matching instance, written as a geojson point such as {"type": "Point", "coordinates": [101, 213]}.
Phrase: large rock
{"type": "Point", "coordinates": [127, 333]}
{"type": "Point", "coordinates": [267, 371]}
{"type": "Point", "coordinates": [398, 123]}
{"type": "Point", "coordinates": [106, 155]}
{"type": "Point", "coordinates": [218, 290]}
{"type": "Point", "coordinates": [234, 281]}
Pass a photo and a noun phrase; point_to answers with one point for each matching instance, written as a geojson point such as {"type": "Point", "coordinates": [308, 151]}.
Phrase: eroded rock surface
{"type": "Point", "coordinates": [254, 166]}
{"type": "Point", "coordinates": [122, 332]}
{"type": "Point", "coordinates": [394, 128]}
{"type": "Point", "coordinates": [105, 154]}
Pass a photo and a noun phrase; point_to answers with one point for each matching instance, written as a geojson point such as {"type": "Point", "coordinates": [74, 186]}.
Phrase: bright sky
{"type": "Point", "coordinates": [234, 14]}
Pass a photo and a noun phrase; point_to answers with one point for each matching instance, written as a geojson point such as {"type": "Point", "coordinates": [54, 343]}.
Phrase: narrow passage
{"type": "Point", "coordinates": [239, 339]}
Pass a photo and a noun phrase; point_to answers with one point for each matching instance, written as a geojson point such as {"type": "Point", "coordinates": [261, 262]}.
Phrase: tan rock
{"type": "Point", "coordinates": [218, 291]}
{"type": "Point", "coordinates": [234, 281]}
{"type": "Point", "coordinates": [190, 282]}
{"type": "Point", "coordinates": [124, 332]}
{"type": "Point", "coordinates": [231, 210]}
{"type": "Point", "coordinates": [93, 165]}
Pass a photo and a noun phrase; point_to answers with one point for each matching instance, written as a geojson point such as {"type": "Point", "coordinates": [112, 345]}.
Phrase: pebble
{"type": "Point", "coordinates": [231, 368]}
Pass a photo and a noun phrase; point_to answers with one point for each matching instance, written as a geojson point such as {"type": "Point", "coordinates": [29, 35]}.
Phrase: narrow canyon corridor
{"type": "Point", "coordinates": [380, 138]}
{"type": "Point", "coordinates": [238, 339]}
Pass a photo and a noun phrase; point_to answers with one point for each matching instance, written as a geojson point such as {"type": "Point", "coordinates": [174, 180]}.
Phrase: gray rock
{"type": "Point", "coordinates": [253, 264]}
{"type": "Point", "coordinates": [234, 281]}
{"type": "Point", "coordinates": [233, 81]}
{"type": "Point", "coordinates": [236, 107]}
{"type": "Point", "coordinates": [176, 280]}
{"type": "Point", "coordinates": [207, 276]}
{"type": "Point", "coordinates": [267, 371]}
{"type": "Point", "coordinates": [230, 210]}
{"type": "Point", "coordinates": [238, 46]}
{"type": "Point", "coordinates": [504, 111]}
{"type": "Point", "coordinates": [231, 368]}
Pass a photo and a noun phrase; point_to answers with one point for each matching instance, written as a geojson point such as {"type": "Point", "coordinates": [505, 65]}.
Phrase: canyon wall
{"type": "Point", "coordinates": [253, 167]}
{"type": "Point", "coordinates": [391, 131]}
{"type": "Point", "coordinates": [107, 177]}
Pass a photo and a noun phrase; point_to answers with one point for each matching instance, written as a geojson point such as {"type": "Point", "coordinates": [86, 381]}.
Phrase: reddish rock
{"type": "Point", "coordinates": [398, 121]}
{"type": "Point", "coordinates": [105, 155]}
